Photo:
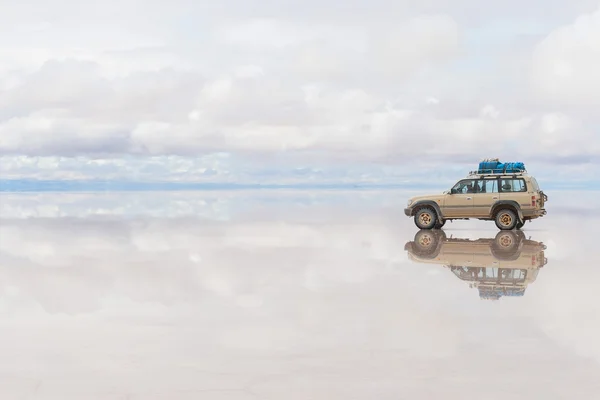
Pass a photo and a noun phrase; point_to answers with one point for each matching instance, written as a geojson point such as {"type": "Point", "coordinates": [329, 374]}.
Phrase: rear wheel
{"type": "Point", "coordinates": [425, 218]}
{"type": "Point", "coordinates": [438, 225]}
{"type": "Point", "coordinates": [506, 219]}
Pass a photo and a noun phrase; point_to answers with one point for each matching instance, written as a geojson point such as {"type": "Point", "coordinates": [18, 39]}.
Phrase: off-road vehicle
{"type": "Point", "coordinates": [505, 194]}
{"type": "Point", "coordinates": [501, 266]}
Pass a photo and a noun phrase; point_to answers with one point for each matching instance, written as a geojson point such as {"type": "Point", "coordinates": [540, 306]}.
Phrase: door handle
{"type": "Point", "coordinates": [495, 197]}
{"type": "Point", "coordinates": [469, 198]}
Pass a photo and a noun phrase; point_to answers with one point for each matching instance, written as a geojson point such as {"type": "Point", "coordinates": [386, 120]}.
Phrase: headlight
{"type": "Point", "coordinates": [409, 202]}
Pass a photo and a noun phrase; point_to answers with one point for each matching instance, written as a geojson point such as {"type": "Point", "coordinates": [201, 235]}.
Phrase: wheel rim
{"type": "Point", "coordinates": [505, 219]}
{"type": "Point", "coordinates": [425, 219]}
{"type": "Point", "coordinates": [425, 240]}
{"type": "Point", "coordinates": [505, 241]}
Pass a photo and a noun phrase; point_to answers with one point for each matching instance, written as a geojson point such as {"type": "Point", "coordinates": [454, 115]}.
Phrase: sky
{"type": "Point", "coordinates": [297, 91]}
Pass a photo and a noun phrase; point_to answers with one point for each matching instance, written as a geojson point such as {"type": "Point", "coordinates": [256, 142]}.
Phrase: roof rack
{"type": "Point", "coordinates": [490, 172]}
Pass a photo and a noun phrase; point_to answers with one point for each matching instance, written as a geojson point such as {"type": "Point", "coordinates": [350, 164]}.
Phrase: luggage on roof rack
{"type": "Point", "coordinates": [494, 166]}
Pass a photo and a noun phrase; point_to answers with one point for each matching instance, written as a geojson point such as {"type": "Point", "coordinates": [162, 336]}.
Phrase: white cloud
{"type": "Point", "coordinates": [414, 44]}
{"type": "Point", "coordinates": [381, 83]}
{"type": "Point", "coordinates": [566, 63]}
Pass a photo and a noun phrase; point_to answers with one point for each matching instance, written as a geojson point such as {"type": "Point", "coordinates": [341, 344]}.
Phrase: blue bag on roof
{"type": "Point", "coordinates": [514, 167]}
{"type": "Point", "coordinates": [494, 166]}
{"type": "Point", "coordinates": [488, 165]}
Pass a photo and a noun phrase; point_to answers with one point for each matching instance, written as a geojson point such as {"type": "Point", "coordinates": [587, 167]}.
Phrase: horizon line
{"type": "Point", "coordinates": [41, 185]}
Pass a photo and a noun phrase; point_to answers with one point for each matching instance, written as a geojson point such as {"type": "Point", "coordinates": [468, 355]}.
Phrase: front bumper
{"type": "Point", "coordinates": [408, 211]}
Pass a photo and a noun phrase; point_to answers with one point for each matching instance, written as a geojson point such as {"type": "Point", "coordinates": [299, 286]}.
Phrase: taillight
{"type": "Point", "coordinates": [533, 201]}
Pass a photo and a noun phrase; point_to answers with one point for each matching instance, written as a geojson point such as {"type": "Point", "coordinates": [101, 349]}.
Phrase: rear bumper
{"type": "Point", "coordinates": [534, 213]}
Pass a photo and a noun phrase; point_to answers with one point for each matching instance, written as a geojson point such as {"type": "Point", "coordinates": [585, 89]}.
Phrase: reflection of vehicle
{"type": "Point", "coordinates": [510, 197]}
{"type": "Point", "coordinates": [502, 266]}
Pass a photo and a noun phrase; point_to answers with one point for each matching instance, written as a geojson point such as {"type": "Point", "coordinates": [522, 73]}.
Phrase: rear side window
{"type": "Point", "coordinates": [513, 185]}
{"type": "Point", "coordinates": [534, 184]}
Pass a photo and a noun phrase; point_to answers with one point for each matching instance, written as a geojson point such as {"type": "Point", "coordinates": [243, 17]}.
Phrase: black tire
{"type": "Point", "coordinates": [506, 219]}
{"type": "Point", "coordinates": [425, 218]}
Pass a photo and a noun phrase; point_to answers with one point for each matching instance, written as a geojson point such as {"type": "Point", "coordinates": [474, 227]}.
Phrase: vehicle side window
{"type": "Point", "coordinates": [465, 186]}
{"type": "Point", "coordinates": [513, 185]}
{"type": "Point", "coordinates": [489, 186]}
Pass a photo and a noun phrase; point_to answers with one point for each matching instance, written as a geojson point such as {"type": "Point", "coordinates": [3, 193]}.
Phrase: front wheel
{"type": "Point", "coordinates": [506, 219]}
{"type": "Point", "coordinates": [425, 218]}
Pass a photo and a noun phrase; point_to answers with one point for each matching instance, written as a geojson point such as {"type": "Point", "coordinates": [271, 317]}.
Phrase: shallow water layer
{"type": "Point", "coordinates": [292, 295]}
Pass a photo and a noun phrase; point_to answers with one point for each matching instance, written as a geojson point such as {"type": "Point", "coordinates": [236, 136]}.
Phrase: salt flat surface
{"type": "Point", "coordinates": [282, 295]}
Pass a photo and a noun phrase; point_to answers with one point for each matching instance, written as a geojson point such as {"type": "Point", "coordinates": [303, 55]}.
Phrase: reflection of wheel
{"type": "Point", "coordinates": [439, 225]}
{"type": "Point", "coordinates": [506, 219]}
{"type": "Point", "coordinates": [425, 218]}
{"type": "Point", "coordinates": [427, 242]}
{"type": "Point", "coordinates": [506, 245]}
{"type": "Point", "coordinates": [506, 241]}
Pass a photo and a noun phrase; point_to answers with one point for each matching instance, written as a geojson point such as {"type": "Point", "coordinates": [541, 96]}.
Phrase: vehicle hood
{"type": "Point", "coordinates": [434, 197]}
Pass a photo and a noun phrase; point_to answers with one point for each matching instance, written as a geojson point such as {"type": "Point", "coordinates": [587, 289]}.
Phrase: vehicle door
{"type": "Point", "coordinates": [485, 197]}
{"type": "Point", "coordinates": [459, 201]}
{"type": "Point", "coordinates": [515, 189]}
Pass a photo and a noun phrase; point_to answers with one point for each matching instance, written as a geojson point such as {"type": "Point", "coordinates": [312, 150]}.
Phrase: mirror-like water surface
{"type": "Point", "coordinates": [292, 295]}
